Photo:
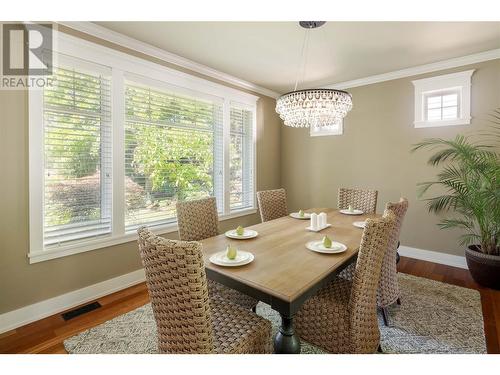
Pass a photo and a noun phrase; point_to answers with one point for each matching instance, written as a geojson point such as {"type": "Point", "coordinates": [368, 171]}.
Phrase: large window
{"type": "Point", "coordinates": [77, 154]}
{"type": "Point", "coordinates": [116, 141]}
{"type": "Point", "coordinates": [171, 152]}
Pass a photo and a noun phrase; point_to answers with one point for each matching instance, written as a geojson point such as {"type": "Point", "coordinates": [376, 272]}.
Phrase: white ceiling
{"type": "Point", "coordinates": [268, 53]}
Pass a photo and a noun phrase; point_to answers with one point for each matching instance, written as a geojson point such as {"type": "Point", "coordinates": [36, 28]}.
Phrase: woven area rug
{"type": "Point", "coordinates": [434, 317]}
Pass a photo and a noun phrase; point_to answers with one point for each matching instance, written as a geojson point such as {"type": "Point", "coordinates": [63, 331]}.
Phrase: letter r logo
{"type": "Point", "coordinates": [27, 49]}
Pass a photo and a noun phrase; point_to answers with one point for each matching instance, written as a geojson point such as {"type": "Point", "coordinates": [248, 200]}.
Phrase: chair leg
{"type": "Point", "coordinates": [398, 301]}
{"type": "Point", "coordinates": [385, 316]}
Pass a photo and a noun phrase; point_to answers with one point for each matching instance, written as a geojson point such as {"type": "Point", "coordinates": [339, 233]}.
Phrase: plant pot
{"type": "Point", "coordinates": [484, 268]}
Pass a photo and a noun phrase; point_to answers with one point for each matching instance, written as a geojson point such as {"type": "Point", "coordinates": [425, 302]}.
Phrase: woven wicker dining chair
{"type": "Point", "coordinates": [188, 320]}
{"type": "Point", "coordinates": [342, 316]}
{"type": "Point", "coordinates": [365, 200]}
{"type": "Point", "coordinates": [197, 220]}
{"type": "Point", "coordinates": [388, 291]}
{"type": "Point", "coordinates": [272, 204]}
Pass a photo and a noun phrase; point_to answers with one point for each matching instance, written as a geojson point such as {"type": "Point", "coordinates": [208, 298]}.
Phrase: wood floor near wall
{"type": "Point", "coordinates": [47, 335]}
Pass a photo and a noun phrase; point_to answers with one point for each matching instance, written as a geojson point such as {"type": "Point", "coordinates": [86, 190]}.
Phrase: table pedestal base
{"type": "Point", "coordinates": [286, 341]}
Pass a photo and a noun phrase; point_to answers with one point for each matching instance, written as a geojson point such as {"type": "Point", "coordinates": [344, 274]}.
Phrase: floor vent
{"type": "Point", "coordinates": [80, 311]}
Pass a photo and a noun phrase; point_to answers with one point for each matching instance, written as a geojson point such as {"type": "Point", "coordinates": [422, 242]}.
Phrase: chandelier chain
{"type": "Point", "coordinates": [303, 60]}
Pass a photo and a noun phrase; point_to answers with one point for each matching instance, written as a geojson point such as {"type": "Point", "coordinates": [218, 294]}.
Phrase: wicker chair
{"type": "Point", "coordinates": [197, 220]}
{"type": "Point", "coordinates": [388, 290]}
{"type": "Point", "coordinates": [187, 319]}
{"type": "Point", "coordinates": [272, 204]}
{"type": "Point", "coordinates": [342, 316]}
{"type": "Point", "coordinates": [365, 200]}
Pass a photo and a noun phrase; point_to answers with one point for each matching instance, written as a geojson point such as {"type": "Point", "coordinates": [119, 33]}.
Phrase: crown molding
{"type": "Point", "coordinates": [420, 69]}
{"type": "Point", "coordinates": [136, 45]}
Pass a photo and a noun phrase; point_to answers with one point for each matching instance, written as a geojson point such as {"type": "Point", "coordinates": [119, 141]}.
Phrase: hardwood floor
{"type": "Point", "coordinates": [47, 335]}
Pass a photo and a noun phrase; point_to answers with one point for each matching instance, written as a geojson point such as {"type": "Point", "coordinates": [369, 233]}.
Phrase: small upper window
{"type": "Point", "coordinates": [442, 105]}
{"type": "Point", "coordinates": [334, 129]}
{"type": "Point", "coordinates": [443, 100]}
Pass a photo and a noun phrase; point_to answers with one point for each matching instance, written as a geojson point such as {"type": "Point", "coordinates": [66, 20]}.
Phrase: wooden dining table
{"type": "Point", "coordinates": [284, 273]}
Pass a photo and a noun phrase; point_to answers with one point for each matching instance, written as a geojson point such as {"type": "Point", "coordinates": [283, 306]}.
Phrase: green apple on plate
{"type": "Point", "coordinates": [351, 208]}
{"type": "Point", "coordinates": [327, 242]}
{"type": "Point", "coordinates": [301, 213]}
{"type": "Point", "coordinates": [240, 230]}
{"type": "Point", "coordinates": [231, 252]}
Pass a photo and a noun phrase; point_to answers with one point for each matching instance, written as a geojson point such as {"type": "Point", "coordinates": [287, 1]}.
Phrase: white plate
{"type": "Point", "coordinates": [319, 229]}
{"type": "Point", "coordinates": [353, 212]}
{"type": "Point", "coordinates": [296, 215]}
{"type": "Point", "coordinates": [317, 246]}
{"type": "Point", "coordinates": [359, 224]}
{"type": "Point", "coordinates": [242, 258]}
{"type": "Point", "coordinates": [247, 233]}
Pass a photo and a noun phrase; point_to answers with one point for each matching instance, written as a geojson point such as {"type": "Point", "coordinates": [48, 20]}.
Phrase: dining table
{"type": "Point", "coordinates": [284, 272]}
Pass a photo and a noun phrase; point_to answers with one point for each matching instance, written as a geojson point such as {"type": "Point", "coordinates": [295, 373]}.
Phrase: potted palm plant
{"type": "Point", "coordinates": [470, 185]}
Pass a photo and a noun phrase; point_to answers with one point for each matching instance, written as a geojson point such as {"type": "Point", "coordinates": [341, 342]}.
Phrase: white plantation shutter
{"type": "Point", "coordinates": [173, 151]}
{"type": "Point", "coordinates": [241, 157]}
{"type": "Point", "coordinates": [77, 153]}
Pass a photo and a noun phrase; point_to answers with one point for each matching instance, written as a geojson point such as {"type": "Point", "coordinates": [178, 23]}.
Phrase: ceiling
{"type": "Point", "coordinates": [268, 53]}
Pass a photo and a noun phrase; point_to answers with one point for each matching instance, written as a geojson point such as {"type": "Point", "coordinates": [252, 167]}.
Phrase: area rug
{"type": "Point", "coordinates": [434, 317]}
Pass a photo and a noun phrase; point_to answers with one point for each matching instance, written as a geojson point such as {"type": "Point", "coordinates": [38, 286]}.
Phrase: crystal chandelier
{"type": "Point", "coordinates": [313, 107]}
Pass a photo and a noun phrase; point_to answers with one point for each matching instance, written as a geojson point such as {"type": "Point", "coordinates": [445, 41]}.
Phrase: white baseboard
{"type": "Point", "coordinates": [433, 256]}
{"type": "Point", "coordinates": [43, 309]}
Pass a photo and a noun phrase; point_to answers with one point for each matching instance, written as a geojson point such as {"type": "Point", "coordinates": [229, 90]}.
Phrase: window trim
{"type": "Point", "coordinates": [122, 64]}
{"type": "Point", "coordinates": [441, 84]}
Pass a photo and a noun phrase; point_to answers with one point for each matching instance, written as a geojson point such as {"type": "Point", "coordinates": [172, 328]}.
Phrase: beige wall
{"type": "Point", "coordinates": [374, 152]}
{"type": "Point", "coordinates": [22, 283]}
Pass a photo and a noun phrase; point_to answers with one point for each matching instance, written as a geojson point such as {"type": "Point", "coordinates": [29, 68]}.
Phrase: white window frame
{"type": "Point", "coordinates": [320, 132]}
{"type": "Point", "coordinates": [456, 82]}
{"type": "Point", "coordinates": [227, 141]}
{"type": "Point", "coordinates": [122, 64]}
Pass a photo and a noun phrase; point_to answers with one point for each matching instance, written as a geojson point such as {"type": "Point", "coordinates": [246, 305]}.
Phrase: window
{"type": "Point", "coordinates": [77, 148]}
{"type": "Point", "coordinates": [442, 105]}
{"type": "Point", "coordinates": [443, 100]}
{"type": "Point", "coordinates": [335, 129]}
{"type": "Point", "coordinates": [173, 149]}
{"type": "Point", "coordinates": [241, 157]}
{"type": "Point", "coordinates": [117, 141]}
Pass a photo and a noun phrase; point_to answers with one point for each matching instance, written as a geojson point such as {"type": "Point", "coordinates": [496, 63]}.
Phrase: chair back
{"type": "Point", "coordinates": [272, 204]}
{"type": "Point", "coordinates": [365, 200]}
{"type": "Point", "coordinates": [363, 322]}
{"type": "Point", "coordinates": [197, 219]}
{"type": "Point", "coordinates": [388, 291]}
{"type": "Point", "coordinates": [177, 285]}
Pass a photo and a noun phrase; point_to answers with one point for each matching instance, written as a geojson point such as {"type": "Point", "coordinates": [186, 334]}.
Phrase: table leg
{"type": "Point", "coordinates": [286, 341]}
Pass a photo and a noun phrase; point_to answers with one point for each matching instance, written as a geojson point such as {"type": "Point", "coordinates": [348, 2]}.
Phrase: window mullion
{"type": "Point", "coordinates": [226, 135]}
{"type": "Point", "coordinates": [118, 152]}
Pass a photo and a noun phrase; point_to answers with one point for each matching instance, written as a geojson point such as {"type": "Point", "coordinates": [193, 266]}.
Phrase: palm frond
{"type": "Point", "coordinates": [471, 180]}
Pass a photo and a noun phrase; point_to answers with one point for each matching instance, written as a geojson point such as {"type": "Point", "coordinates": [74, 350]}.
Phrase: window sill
{"type": "Point", "coordinates": [89, 245]}
{"type": "Point", "coordinates": [436, 124]}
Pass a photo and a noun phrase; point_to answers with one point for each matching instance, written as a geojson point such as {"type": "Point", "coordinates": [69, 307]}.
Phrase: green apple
{"type": "Point", "coordinates": [301, 213]}
{"type": "Point", "coordinates": [351, 208]}
{"type": "Point", "coordinates": [327, 242]}
{"type": "Point", "coordinates": [240, 230]}
{"type": "Point", "coordinates": [231, 252]}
